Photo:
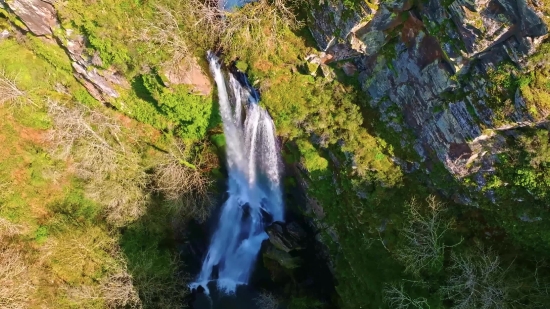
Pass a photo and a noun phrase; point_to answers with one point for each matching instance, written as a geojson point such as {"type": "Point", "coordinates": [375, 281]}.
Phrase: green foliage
{"type": "Point", "coordinates": [303, 106]}
{"type": "Point", "coordinates": [151, 261]}
{"type": "Point", "coordinates": [74, 210]}
{"type": "Point", "coordinates": [311, 159]}
{"type": "Point", "coordinates": [190, 113]}
{"type": "Point", "coordinates": [304, 303]}
{"type": "Point", "coordinates": [111, 29]}
{"type": "Point", "coordinates": [41, 234]}
{"type": "Point", "coordinates": [522, 183]}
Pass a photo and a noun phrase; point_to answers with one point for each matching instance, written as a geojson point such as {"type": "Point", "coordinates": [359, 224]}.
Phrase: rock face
{"type": "Point", "coordinates": [286, 237]}
{"type": "Point", "coordinates": [331, 21]}
{"type": "Point", "coordinates": [39, 16]}
{"type": "Point", "coordinates": [432, 47]}
{"type": "Point", "coordinates": [284, 241]}
{"type": "Point", "coordinates": [190, 74]}
{"type": "Point", "coordinates": [99, 83]}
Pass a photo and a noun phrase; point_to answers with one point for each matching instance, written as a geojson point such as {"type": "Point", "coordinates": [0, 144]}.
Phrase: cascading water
{"type": "Point", "coordinates": [255, 200]}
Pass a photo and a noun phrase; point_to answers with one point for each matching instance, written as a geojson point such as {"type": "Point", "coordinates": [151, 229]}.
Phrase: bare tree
{"type": "Point", "coordinates": [115, 290]}
{"type": "Point", "coordinates": [478, 281]}
{"type": "Point", "coordinates": [186, 185]}
{"type": "Point", "coordinates": [109, 164]}
{"type": "Point", "coordinates": [424, 244]}
{"type": "Point", "coordinates": [164, 31]}
{"type": "Point", "coordinates": [396, 297]}
{"type": "Point", "coordinates": [267, 300]}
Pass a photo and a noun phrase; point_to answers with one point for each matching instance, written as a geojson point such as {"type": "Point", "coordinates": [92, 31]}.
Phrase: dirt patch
{"type": "Point", "coordinates": [33, 135]}
{"type": "Point", "coordinates": [429, 51]}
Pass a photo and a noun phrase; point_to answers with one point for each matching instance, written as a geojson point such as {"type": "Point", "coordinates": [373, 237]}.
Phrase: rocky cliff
{"type": "Point", "coordinates": [427, 65]}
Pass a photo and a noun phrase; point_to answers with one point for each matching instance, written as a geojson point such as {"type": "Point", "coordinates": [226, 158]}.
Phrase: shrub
{"type": "Point", "coordinates": [11, 93]}
{"type": "Point", "coordinates": [182, 177]}
{"type": "Point", "coordinates": [397, 298]}
{"type": "Point", "coordinates": [112, 169]}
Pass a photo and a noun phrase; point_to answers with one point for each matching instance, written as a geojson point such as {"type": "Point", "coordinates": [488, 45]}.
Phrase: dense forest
{"type": "Point", "coordinates": [414, 135]}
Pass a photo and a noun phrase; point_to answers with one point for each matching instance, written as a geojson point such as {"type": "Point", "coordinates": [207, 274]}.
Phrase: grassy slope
{"type": "Point", "coordinates": [68, 251]}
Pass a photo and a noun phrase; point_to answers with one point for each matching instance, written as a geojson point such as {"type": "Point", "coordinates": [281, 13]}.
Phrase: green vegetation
{"type": "Point", "coordinates": [79, 225]}
{"type": "Point", "coordinates": [92, 196]}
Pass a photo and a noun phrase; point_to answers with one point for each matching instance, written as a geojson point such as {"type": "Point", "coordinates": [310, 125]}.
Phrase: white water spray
{"type": "Point", "coordinates": [255, 200]}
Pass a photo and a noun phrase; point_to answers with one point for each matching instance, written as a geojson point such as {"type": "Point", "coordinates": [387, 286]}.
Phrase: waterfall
{"type": "Point", "coordinates": [228, 5]}
{"type": "Point", "coordinates": [254, 189]}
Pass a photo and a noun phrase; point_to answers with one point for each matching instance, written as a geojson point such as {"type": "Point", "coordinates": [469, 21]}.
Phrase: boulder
{"type": "Point", "coordinates": [188, 72]}
{"type": "Point", "coordinates": [39, 16]}
{"type": "Point", "coordinates": [4, 34]}
{"type": "Point", "coordinates": [287, 237]}
{"type": "Point", "coordinates": [100, 83]}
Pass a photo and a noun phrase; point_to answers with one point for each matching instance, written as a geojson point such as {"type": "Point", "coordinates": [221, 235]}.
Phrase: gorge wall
{"type": "Point", "coordinates": [429, 62]}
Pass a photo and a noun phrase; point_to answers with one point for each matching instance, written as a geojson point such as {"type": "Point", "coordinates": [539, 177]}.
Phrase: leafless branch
{"type": "Point", "coordinates": [15, 284]}
{"type": "Point", "coordinates": [424, 245]}
{"type": "Point", "coordinates": [186, 185]}
{"type": "Point", "coordinates": [396, 297]}
{"type": "Point", "coordinates": [112, 170]}
{"type": "Point", "coordinates": [478, 281]}
{"type": "Point", "coordinates": [118, 291]}
{"type": "Point", "coordinates": [9, 229]}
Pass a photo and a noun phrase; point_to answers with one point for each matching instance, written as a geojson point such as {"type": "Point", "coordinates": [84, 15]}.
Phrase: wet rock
{"type": "Point", "coordinates": [284, 259]}
{"type": "Point", "coordinates": [39, 16]}
{"type": "Point", "coordinates": [188, 72]}
{"type": "Point", "coordinates": [295, 231]}
{"type": "Point", "coordinates": [285, 237]}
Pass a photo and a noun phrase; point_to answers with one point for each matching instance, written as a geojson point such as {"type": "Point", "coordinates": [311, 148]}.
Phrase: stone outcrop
{"type": "Point", "coordinates": [285, 240]}
{"type": "Point", "coordinates": [434, 71]}
{"type": "Point", "coordinates": [286, 237]}
{"type": "Point", "coordinates": [188, 72]}
{"type": "Point", "coordinates": [331, 21]}
{"type": "Point", "coordinates": [100, 83]}
{"type": "Point", "coordinates": [39, 16]}
{"type": "Point", "coordinates": [4, 34]}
